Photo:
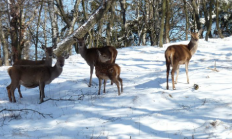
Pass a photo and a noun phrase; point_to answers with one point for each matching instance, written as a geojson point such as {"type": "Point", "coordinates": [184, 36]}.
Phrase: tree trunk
{"type": "Point", "coordinates": [196, 14]}
{"type": "Point", "coordinates": [53, 16]}
{"type": "Point", "coordinates": [186, 19]}
{"type": "Point", "coordinates": [123, 25]}
{"type": "Point", "coordinates": [167, 23]}
{"type": "Point", "coordinates": [37, 31]}
{"type": "Point", "coordinates": [5, 46]}
{"type": "Point", "coordinates": [217, 21]}
{"type": "Point", "coordinates": [162, 23]}
{"type": "Point", "coordinates": [109, 26]}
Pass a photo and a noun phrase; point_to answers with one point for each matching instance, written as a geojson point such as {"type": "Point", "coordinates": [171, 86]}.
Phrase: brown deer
{"type": "Point", "coordinates": [91, 55]}
{"type": "Point", "coordinates": [45, 62]}
{"type": "Point", "coordinates": [180, 54]}
{"type": "Point", "coordinates": [33, 76]}
{"type": "Point", "coordinates": [105, 71]}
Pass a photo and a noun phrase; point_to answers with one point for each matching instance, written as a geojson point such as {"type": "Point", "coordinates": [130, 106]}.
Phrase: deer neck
{"type": "Point", "coordinates": [55, 71]}
{"type": "Point", "coordinates": [192, 46]}
{"type": "Point", "coordinates": [82, 50]}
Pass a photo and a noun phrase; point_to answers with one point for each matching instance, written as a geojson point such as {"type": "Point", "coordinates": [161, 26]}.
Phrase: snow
{"type": "Point", "coordinates": [145, 110]}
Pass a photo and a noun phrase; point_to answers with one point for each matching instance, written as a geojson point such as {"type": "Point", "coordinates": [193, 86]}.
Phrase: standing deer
{"type": "Point", "coordinates": [180, 54]}
{"type": "Point", "coordinates": [33, 76]}
{"type": "Point", "coordinates": [46, 62]}
{"type": "Point", "coordinates": [105, 71]}
{"type": "Point", "coordinates": [91, 55]}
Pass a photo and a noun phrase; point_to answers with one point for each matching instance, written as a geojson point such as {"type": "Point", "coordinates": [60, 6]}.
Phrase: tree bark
{"type": "Point", "coordinates": [37, 31]}
{"type": "Point", "coordinates": [217, 21]}
{"type": "Point", "coordinates": [167, 21]}
{"type": "Point", "coordinates": [186, 19]}
{"type": "Point", "coordinates": [53, 16]}
{"type": "Point", "coordinates": [4, 44]}
{"type": "Point", "coordinates": [162, 23]}
{"type": "Point", "coordinates": [196, 14]}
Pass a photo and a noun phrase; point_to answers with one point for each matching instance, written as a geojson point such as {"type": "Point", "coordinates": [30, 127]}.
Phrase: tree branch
{"type": "Point", "coordinates": [82, 30]}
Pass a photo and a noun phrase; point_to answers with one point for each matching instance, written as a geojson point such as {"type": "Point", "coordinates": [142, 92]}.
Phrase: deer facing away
{"type": "Point", "coordinates": [180, 54]}
{"type": "Point", "coordinates": [91, 55]}
{"type": "Point", "coordinates": [46, 62]}
{"type": "Point", "coordinates": [105, 71]}
{"type": "Point", "coordinates": [33, 76]}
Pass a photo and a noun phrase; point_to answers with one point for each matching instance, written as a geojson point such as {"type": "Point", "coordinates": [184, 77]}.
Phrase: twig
{"type": "Point", "coordinates": [42, 114]}
{"type": "Point", "coordinates": [61, 99]}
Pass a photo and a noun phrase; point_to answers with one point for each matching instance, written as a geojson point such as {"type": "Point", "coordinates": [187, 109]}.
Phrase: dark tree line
{"type": "Point", "coordinates": [27, 24]}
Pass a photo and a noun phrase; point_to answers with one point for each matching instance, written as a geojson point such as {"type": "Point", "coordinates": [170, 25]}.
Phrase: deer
{"type": "Point", "coordinates": [34, 76]}
{"type": "Point", "coordinates": [46, 62]}
{"type": "Point", "coordinates": [175, 55]}
{"type": "Point", "coordinates": [91, 55]}
{"type": "Point", "coordinates": [105, 71]}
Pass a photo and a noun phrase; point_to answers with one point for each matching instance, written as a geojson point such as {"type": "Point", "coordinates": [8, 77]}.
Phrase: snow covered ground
{"type": "Point", "coordinates": [145, 110]}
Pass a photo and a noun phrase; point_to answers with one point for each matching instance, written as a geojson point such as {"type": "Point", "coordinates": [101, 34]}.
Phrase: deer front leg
{"type": "Point", "coordinates": [91, 73]}
{"type": "Point", "coordinates": [177, 73]}
{"type": "Point", "coordinates": [41, 88]}
{"type": "Point", "coordinates": [186, 69]}
{"type": "Point", "coordinates": [100, 82]}
{"type": "Point", "coordinates": [104, 86]}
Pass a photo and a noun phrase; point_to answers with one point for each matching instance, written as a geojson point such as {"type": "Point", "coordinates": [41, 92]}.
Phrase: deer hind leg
{"type": "Point", "coordinates": [120, 80]}
{"type": "Point", "coordinates": [104, 86]}
{"type": "Point", "coordinates": [91, 73]}
{"type": "Point", "coordinates": [12, 89]}
{"type": "Point", "coordinates": [177, 73]}
{"type": "Point", "coordinates": [174, 68]}
{"type": "Point", "coordinates": [20, 94]}
{"type": "Point", "coordinates": [117, 83]}
{"type": "Point", "coordinates": [100, 82]}
{"type": "Point", "coordinates": [167, 73]}
{"type": "Point", "coordinates": [186, 69]}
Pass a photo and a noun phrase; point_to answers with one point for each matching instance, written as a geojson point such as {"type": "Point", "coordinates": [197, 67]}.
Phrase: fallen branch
{"type": "Point", "coordinates": [214, 68]}
{"type": "Point", "coordinates": [42, 114]}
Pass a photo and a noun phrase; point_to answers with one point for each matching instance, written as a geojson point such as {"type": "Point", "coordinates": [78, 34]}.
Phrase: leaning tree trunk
{"type": "Point", "coordinates": [82, 30]}
{"type": "Point", "coordinates": [162, 24]}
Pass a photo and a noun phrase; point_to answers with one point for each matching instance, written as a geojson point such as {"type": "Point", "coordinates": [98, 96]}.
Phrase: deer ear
{"type": "Point", "coordinates": [200, 31]}
{"type": "Point", "coordinates": [98, 52]}
{"type": "Point", "coordinates": [54, 56]}
{"type": "Point", "coordinates": [66, 56]}
{"type": "Point", "coordinates": [43, 47]}
{"type": "Point", "coordinates": [54, 46]}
